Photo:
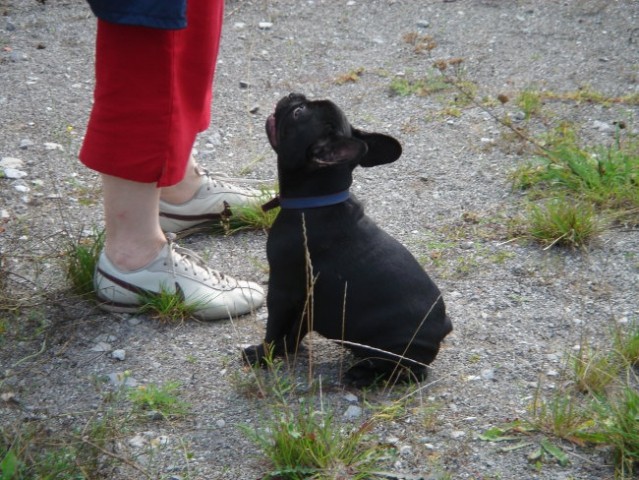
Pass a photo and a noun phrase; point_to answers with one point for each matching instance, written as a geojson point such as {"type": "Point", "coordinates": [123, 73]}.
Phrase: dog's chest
{"type": "Point", "coordinates": [326, 234]}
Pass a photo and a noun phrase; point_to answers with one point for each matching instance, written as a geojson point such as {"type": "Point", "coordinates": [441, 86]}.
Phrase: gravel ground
{"type": "Point", "coordinates": [517, 309]}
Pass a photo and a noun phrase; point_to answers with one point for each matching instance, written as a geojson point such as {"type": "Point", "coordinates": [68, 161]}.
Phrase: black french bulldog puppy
{"type": "Point", "coordinates": [332, 270]}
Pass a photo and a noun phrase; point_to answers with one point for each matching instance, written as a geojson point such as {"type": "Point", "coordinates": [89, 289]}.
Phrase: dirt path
{"type": "Point", "coordinates": [517, 309]}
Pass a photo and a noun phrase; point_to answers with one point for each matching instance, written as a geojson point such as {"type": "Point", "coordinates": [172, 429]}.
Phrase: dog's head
{"type": "Point", "coordinates": [311, 137]}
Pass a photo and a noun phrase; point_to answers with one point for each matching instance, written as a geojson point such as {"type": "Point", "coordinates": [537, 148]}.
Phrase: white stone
{"type": "Point", "coordinates": [11, 162]}
{"type": "Point", "coordinates": [118, 354]}
{"type": "Point", "coordinates": [14, 173]}
{"type": "Point", "coordinates": [137, 442]}
{"type": "Point", "coordinates": [349, 397]}
{"type": "Point", "coordinates": [53, 146]}
{"type": "Point", "coordinates": [352, 412]}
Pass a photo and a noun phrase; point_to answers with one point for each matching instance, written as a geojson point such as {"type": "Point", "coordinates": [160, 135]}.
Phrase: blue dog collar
{"type": "Point", "coordinates": [314, 202]}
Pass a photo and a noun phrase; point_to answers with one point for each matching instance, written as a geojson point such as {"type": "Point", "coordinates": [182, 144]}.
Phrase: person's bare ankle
{"type": "Point", "coordinates": [130, 257]}
{"type": "Point", "coordinates": [183, 191]}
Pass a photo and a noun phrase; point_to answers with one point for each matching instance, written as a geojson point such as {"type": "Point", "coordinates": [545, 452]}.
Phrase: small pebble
{"type": "Point", "coordinates": [405, 450]}
{"type": "Point", "coordinates": [137, 442]}
{"type": "Point", "coordinates": [603, 127]}
{"type": "Point", "coordinates": [352, 412]}
{"type": "Point", "coordinates": [14, 173]}
{"type": "Point", "coordinates": [121, 379]}
{"type": "Point", "coordinates": [349, 397]}
{"type": "Point", "coordinates": [518, 116]}
{"type": "Point", "coordinates": [101, 347]}
{"type": "Point", "coordinates": [118, 354]}
{"type": "Point", "coordinates": [488, 374]}
{"type": "Point", "coordinates": [10, 162]}
{"type": "Point", "coordinates": [53, 146]}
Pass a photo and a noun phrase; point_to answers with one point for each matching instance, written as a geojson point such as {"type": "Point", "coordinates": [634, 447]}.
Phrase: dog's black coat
{"type": "Point", "coordinates": [367, 289]}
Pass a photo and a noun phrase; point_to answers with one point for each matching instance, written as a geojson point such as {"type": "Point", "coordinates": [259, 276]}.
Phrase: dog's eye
{"type": "Point", "coordinates": [298, 111]}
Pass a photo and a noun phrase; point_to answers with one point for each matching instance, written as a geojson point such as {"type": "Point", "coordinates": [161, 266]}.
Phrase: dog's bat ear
{"type": "Point", "coordinates": [382, 148]}
{"type": "Point", "coordinates": [336, 150]}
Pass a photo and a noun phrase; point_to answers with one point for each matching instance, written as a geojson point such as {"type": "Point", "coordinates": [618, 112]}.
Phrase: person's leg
{"type": "Point", "coordinates": [133, 236]}
{"type": "Point", "coordinates": [185, 189]}
{"type": "Point", "coordinates": [139, 261]}
{"type": "Point", "coordinates": [147, 111]}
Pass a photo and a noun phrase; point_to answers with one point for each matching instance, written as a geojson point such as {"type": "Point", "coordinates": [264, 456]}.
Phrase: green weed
{"type": "Point", "coordinates": [169, 306]}
{"type": "Point", "coordinates": [619, 427]}
{"type": "Point", "coordinates": [562, 415]}
{"type": "Point", "coordinates": [404, 87]}
{"type": "Point", "coordinates": [560, 221]}
{"type": "Point", "coordinates": [626, 342]}
{"type": "Point", "coordinates": [607, 177]}
{"type": "Point", "coordinates": [594, 370]}
{"type": "Point", "coordinates": [249, 217]}
{"type": "Point", "coordinates": [81, 258]}
{"type": "Point", "coordinates": [305, 442]}
{"type": "Point", "coordinates": [530, 102]}
{"type": "Point", "coordinates": [164, 399]}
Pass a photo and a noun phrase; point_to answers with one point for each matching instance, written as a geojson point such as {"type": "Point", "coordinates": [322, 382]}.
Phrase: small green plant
{"type": "Point", "coordinates": [594, 370]}
{"type": "Point", "coordinates": [626, 342]}
{"type": "Point", "coordinates": [169, 306]}
{"type": "Point", "coordinates": [404, 87]}
{"type": "Point", "coordinates": [250, 217]}
{"type": "Point", "coordinates": [530, 102]}
{"type": "Point", "coordinates": [30, 453]}
{"type": "Point", "coordinates": [274, 380]}
{"type": "Point", "coordinates": [81, 259]}
{"type": "Point", "coordinates": [560, 221]}
{"type": "Point", "coordinates": [608, 177]}
{"type": "Point", "coordinates": [562, 415]}
{"type": "Point", "coordinates": [619, 427]}
{"type": "Point", "coordinates": [163, 399]}
{"type": "Point", "coordinates": [304, 442]}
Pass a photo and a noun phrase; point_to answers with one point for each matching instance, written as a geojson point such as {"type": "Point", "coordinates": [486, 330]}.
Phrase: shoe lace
{"type": "Point", "coordinates": [219, 179]}
{"type": "Point", "coordinates": [185, 259]}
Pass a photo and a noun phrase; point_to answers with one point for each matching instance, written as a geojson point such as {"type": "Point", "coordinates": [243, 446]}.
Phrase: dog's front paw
{"type": "Point", "coordinates": [362, 375]}
{"type": "Point", "coordinates": [254, 355]}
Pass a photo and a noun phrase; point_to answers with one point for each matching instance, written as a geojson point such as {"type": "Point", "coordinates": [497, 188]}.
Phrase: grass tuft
{"type": "Point", "coordinates": [304, 442]}
{"type": "Point", "coordinates": [607, 177]}
{"type": "Point", "coordinates": [169, 306]}
{"type": "Point", "coordinates": [585, 189]}
{"type": "Point", "coordinates": [162, 399]}
{"type": "Point", "coordinates": [619, 423]}
{"type": "Point", "coordinates": [530, 102]}
{"type": "Point", "coordinates": [560, 221]}
{"type": "Point", "coordinates": [594, 370]}
{"type": "Point", "coordinates": [81, 259]}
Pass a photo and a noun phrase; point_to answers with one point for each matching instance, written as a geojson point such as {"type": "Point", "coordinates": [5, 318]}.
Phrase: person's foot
{"type": "Point", "coordinates": [211, 201]}
{"type": "Point", "coordinates": [175, 269]}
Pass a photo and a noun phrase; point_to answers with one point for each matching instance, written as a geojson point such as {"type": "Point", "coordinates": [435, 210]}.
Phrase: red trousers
{"type": "Point", "coordinates": [152, 96]}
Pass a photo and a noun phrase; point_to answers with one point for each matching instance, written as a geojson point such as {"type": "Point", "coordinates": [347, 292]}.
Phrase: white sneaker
{"type": "Point", "coordinates": [216, 296]}
{"type": "Point", "coordinates": [211, 202]}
